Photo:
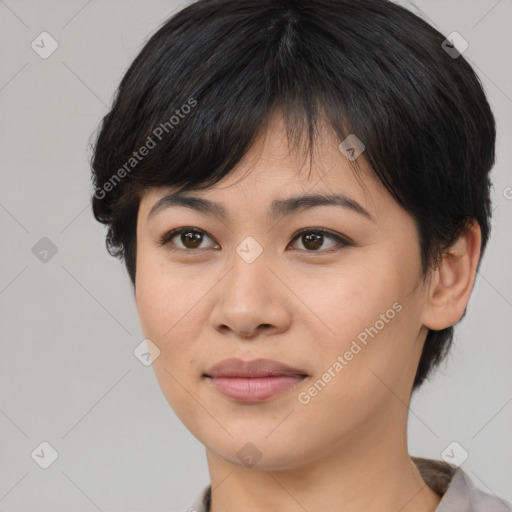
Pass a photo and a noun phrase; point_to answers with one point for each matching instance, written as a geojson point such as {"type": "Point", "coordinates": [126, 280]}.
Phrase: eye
{"type": "Point", "coordinates": [188, 237]}
{"type": "Point", "coordinates": [312, 239]}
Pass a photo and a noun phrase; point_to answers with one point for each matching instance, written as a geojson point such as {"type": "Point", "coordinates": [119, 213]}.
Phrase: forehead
{"type": "Point", "coordinates": [274, 169]}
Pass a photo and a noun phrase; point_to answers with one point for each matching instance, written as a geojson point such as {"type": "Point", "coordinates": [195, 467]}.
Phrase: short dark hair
{"type": "Point", "coordinates": [206, 82]}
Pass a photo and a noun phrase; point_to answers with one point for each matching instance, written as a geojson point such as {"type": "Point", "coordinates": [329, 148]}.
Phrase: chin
{"type": "Point", "coordinates": [258, 452]}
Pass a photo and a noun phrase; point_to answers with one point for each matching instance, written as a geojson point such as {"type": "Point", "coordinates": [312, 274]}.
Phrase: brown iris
{"type": "Point", "coordinates": [193, 238]}
{"type": "Point", "coordinates": [314, 239]}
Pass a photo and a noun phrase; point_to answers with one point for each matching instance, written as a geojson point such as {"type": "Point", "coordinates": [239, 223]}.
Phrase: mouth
{"type": "Point", "coordinates": [253, 381]}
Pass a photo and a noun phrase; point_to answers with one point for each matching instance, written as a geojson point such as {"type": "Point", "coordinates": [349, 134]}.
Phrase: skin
{"type": "Point", "coordinates": [346, 449]}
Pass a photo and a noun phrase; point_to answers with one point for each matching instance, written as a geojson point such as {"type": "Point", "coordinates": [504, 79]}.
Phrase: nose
{"type": "Point", "coordinates": [252, 299]}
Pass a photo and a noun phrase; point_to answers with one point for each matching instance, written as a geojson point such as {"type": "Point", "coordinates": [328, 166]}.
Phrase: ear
{"type": "Point", "coordinates": [452, 281]}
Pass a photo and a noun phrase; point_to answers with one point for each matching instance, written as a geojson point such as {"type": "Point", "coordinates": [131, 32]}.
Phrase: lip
{"type": "Point", "coordinates": [254, 368]}
{"type": "Point", "coordinates": [253, 381]}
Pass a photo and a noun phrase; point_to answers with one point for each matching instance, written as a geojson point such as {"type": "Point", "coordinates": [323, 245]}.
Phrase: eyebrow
{"type": "Point", "coordinates": [278, 208]}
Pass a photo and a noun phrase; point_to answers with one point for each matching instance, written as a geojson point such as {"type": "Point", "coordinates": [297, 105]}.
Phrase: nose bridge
{"type": "Point", "coordinates": [249, 250]}
{"type": "Point", "coordinates": [250, 296]}
{"type": "Point", "coordinates": [249, 269]}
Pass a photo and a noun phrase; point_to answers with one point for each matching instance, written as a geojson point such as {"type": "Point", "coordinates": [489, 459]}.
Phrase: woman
{"type": "Point", "coordinates": [300, 192]}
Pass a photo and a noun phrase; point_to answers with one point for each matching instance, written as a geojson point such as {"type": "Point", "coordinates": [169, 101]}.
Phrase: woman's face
{"type": "Point", "coordinates": [343, 309]}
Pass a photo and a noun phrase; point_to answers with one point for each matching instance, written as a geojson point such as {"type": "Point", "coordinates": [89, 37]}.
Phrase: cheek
{"type": "Point", "coordinates": [160, 308]}
{"type": "Point", "coordinates": [151, 298]}
{"type": "Point", "coordinates": [374, 321]}
{"type": "Point", "coordinates": [172, 315]}
{"type": "Point", "coordinates": [165, 296]}
{"type": "Point", "coordinates": [356, 370]}
{"type": "Point", "coordinates": [353, 299]}
{"type": "Point", "coordinates": [164, 311]}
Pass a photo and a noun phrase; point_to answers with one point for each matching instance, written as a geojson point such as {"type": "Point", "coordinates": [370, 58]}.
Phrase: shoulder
{"type": "Point", "coordinates": [459, 493]}
{"type": "Point", "coordinates": [463, 495]}
{"type": "Point", "coordinates": [202, 501]}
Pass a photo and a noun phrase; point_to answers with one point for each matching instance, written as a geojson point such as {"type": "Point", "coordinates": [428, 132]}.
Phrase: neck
{"type": "Point", "coordinates": [352, 477]}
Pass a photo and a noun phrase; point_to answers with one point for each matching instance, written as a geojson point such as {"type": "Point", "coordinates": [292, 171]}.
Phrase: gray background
{"type": "Point", "coordinates": [68, 375]}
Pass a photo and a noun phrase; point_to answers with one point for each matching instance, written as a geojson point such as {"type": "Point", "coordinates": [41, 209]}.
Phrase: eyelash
{"type": "Point", "coordinates": [341, 242]}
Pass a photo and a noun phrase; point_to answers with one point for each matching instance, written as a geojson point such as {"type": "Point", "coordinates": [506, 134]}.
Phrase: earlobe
{"type": "Point", "coordinates": [452, 281]}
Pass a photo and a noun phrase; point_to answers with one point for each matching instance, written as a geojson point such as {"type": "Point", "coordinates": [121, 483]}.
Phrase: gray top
{"type": "Point", "coordinates": [459, 493]}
